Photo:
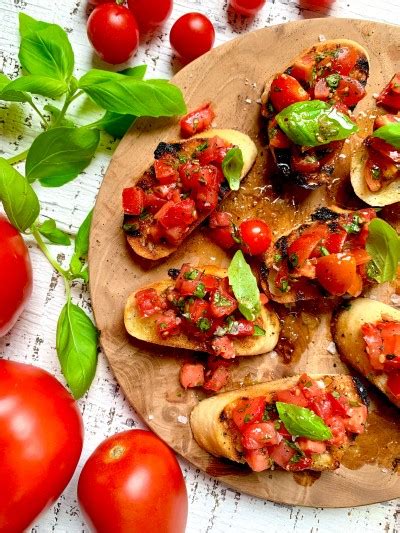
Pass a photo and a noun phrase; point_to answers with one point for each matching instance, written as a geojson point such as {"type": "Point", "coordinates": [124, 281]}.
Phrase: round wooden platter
{"type": "Point", "coordinates": [232, 77]}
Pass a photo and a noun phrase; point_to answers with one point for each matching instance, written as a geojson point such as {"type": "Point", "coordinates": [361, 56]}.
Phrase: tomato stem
{"type": "Point", "coordinates": [54, 263]}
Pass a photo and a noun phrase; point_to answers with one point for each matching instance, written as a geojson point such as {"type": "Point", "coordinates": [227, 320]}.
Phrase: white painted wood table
{"type": "Point", "coordinates": [212, 506]}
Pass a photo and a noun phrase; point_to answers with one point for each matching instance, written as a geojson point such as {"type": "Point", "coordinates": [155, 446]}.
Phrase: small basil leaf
{"type": "Point", "coordinates": [55, 235]}
{"type": "Point", "coordinates": [137, 72]}
{"type": "Point", "coordinates": [232, 166]}
{"type": "Point", "coordinates": [258, 331]}
{"type": "Point", "coordinates": [76, 346]}
{"type": "Point", "coordinates": [11, 95]}
{"type": "Point", "coordinates": [302, 422]}
{"type": "Point", "coordinates": [55, 111]}
{"type": "Point", "coordinates": [115, 124]}
{"type": "Point", "coordinates": [42, 85]}
{"type": "Point", "coordinates": [314, 123]}
{"type": "Point", "coordinates": [244, 286]}
{"type": "Point", "coordinates": [127, 95]}
{"type": "Point", "coordinates": [29, 25]}
{"type": "Point", "coordinates": [389, 133]}
{"type": "Point", "coordinates": [383, 245]}
{"type": "Point", "coordinates": [18, 198]}
{"type": "Point", "coordinates": [81, 249]}
{"type": "Point", "coordinates": [58, 155]}
{"type": "Point", "coordinates": [45, 50]}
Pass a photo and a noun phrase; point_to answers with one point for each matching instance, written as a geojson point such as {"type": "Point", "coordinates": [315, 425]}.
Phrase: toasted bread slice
{"type": "Point", "coordinates": [145, 328]}
{"type": "Point", "coordinates": [140, 244]}
{"type": "Point", "coordinates": [350, 342]}
{"type": "Point", "coordinates": [209, 419]}
{"type": "Point", "coordinates": [387, 195]}
{"type": "Point", "coordinates": [282, 156]}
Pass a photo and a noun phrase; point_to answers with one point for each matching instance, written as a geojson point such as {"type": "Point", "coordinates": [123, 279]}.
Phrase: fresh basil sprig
{"type": "Point", "coordinates": [302, 422]}
{"type": "Point", "coordinates": [314, 123]}
{"type": "Point", "coordinates": [244, 286]}
{"type": "Point", "coordinates": [53, 234]}
{"type": "Point", "coordinates": [390, 133]}
{"type": "Point", "coordinates": [78, 260]}
{"type": "Point", "coordinates": [11, 95]}
{"type": "Point", "coordinates": [232, 166]}
{"type": "Point", "coordinates": [383, 245]}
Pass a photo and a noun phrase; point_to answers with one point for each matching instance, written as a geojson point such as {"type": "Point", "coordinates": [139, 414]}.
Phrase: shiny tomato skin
{"type": "Point", "coordinates": [41, 436]}
{"type": "Point", "coordinates": [16, 275]}
{"type": "Point", "coordinates": [150, 13]}
{"type": "Point", "coordinates": [336, 273]}
{"type": "Point", "coordinates": [192, 35]}
{"type": "Point", "coordinates": [197, 121]}
{"type": "Point", "coordinates": [133, 482]}
{"type": "Point", "coordinates": [113, 32]}
{"type": "Point", "coordinates": [286, 90]}
{"type": "Point", "coordinates": [256, 236]}
{"type": "Point", "coordinates": [248, 8]}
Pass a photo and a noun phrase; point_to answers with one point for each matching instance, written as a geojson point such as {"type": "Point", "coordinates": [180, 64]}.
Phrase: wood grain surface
{"type": "Point", "coordinates": [232, 77]}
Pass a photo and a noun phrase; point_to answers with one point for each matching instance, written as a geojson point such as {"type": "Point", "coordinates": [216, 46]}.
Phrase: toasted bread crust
{"type": "Point", "coordinates": [158, 251]}
{"type": "Point", "coordinates": [211, 430]}
{"type": "Point", "coordinates": [350, 342]}
{"type": "Point", "coordinates": [145, 328]}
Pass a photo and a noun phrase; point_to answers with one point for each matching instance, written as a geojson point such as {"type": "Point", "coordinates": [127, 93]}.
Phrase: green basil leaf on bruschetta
{"type": "Point", "coordinates": [302, 422]}
{"type": "Point", "coordinates": [232, 166]}
{"type": "Point", "coordinates": [244, 286]}
{"type": "Point", "coordinates": [383, 245]}
{"type": "Point", "coordinates": [390, 133]}
{"type": "Point", "coordinates": [314, 123]}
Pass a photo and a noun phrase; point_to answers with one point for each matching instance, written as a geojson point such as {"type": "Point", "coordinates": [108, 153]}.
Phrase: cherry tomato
{"type": "Point", "coordinates": [286, 90]}
{"type": "Point", "coordinates": [41, 437]}
{"type": "Point", "coordinates": [336, 272]}
{"type": "Point", "coordinates": [133, 482]}
{"type": "Point", "coordinates": [256, 236]}
{"type": "Point", "coordinates": [16, 273]}
{"type": "Point", "coordinates": [248, 8]}
{"type": "Point", "coordinates": [192, 35]}
{"type": "Point", "coordinates": [223, 237]}
{"type": "Point", "coordinates": [197, 121]}
{"type": "Point", "coordinates": [113, 32]}
{"type": "Point", "coordinates": [150, 13]}
{"type": "Point", "coordinates": [390, 95]}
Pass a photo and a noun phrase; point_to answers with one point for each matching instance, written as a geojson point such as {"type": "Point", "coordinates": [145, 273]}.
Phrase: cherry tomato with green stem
{"type": "Point", "coordinates": [150, 13]}
{"type": "Point", "coordinates": [192, 35]}
{"type": "Point", "coordinates": [256, 236]}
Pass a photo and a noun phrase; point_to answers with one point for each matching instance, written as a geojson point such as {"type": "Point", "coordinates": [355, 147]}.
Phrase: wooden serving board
{"type": "Point", "coordinates": [232, 77]}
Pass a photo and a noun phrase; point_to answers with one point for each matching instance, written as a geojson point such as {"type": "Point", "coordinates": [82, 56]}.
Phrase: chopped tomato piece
{"type": "Point", "coordinates": [361, 256]}
{"type": "Point", "coordinates": [349, 91]}
{"type": "Point", "coordinates": [223, 346]}
{"type": "Point", "coordinates": [173, 215]}
{"type": "Point", "coordinates": [338, 430]}
{"type": "Point", "coordinates": [241, 328]}
{"type": "Point", "coordinates": [310, 387]}
{"type": "Point", "coordinates": [306, 163]}
{"type": "Point", "coordinates": [302, 464]}
{"type": "Point", "coordinates": [189, 175]}
{"type": "Point", "coordinates": [133, 200]}
{"type": "Point", "coordinates": [286, 90]}
{"type": "Point", "coordinates": [188, 287]}
{"type": "Point", "coordinates": [207, 189]}
{"type": "Point", "coordinates": [311, 446]}
{"type": "Point", "coordinates": [187, 272]}
{"type": "Point", "coordinates": [258, 435]}
{"type": "Point", "coordinates": [382, 340]}
{"type": "Point", "coordinates": [191, 375]}
{"type": "Point", "coordinates": [149, 302]}
{"type": "Point", "coordinates": [294, 396]}
{"type": "Point", "coordinates": [322, 90]}
{"type": "Point", "coordinates": [340, 405]}
{"type": "Point", "coordinates": [335, 241]}
{"type": "Point", "coordinates": [393, 384]}
{"type": "Point", "coordinates": [282, 454]}
{"type": "Point", "coordinates": [304, 68]}
{"type": "Point", "coordinates": [168, 324]}
{"type": "Point", "coordinates": [356, 422]}
{"type": "Point", "coordinates": [223, 237]}
{"type": "Point", "coordinates": [385, 120]}
{"type": "Point", "coordinates": [276, 137]}
{"type": "Point", "coordinates": [321, 407]}
{"type": "Point", "coordinates": [390, 96]}
{"type": "Point", "coordinates": [248, 410]}
{"type": "Point", "coordinates": [152, 202]}
{"type": "Point", "coordinates": [214, 152]}
{"type": "Point", "coordinates": [341, 61]}
{"type": "Point", "coordinates": [258, 460]}
{"type": "Point", "coordinates": [302, 248]}
{"type": "Point", "coordinates": [220, 219]}
{"type": "Point", "coordinates": [197, 121]}
{"type": "Point", "coordinates": [356, 287]}
{"type": "Point", "coordinates": [197, 309]}
{"type": "Point", "coordinates": [374, 345]}
{"type": "Point", "coordinates": [165, 170]}
{"type": "Point", "coordinates": [384, 148]}
{"type": "Point", "coordinates": [209, 281]}
{"type": "Point", "coordinates": [390, 332]}
{"type": "Point", "coordinates": [175, 235]}
{"type": "Point", "coordinates": [217, 379]}
{"type": "Point", "coordinates": [336, 273]}
{"type": "Point", "coordinates": [222, 303]}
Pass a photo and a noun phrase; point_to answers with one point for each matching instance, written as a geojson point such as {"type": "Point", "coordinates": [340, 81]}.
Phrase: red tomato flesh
{"type": "Point", "coordinates": [286, 90]}
{"type": "Point", "coordinates": [336, 273]}
{"type": "Point", "coordinates": [197, 121]}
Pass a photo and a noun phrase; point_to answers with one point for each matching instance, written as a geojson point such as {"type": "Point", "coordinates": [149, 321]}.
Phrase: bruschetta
{"type": "Point", "coordinates": [296, 423]}
{"type": "Point", "coordinates": [367, 334]}
{"type": "Point", "coordinates": [325, 257]}
{"type": "Point", "coordinates": [182, 187]}
{"type": "Point", "coordinates": [375, 166]}
{"type": "Point", "coordinates": [308, 108]}
{"type": "Point", "coordinates": [196, 309]}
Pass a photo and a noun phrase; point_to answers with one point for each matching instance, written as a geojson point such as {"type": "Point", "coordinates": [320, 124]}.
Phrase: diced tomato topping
{"type": "Point", "coordinates": [361, 256]}
{"type": "Point", "coordinates": [175, 235]}
{"type": "Point", "coordinates": [321, 407]}
{"type": "Point", "coordinates": [165, 170]}
{"type": "Point", "coordinates": [339, 404]}
{"type": "Point", "coordinates": [223, 346]}
{"type": "Point", "coordinates": [220, 219]}
{"type": "Point", "coordinates": [322, 90]}
{"type": "Point", "coordinates": [302, 464]}
{"type": "Point", "coordinates": [349, 91]}
{"type": "Point", "coordinates": [305, 163]}
{"type": "Point", "coordinates": [223, 237]}
{"type": "Point", "coordinates": [294, 396]}
{"type": "Point", "coordinates": [222, 303]}
{"type": "Point", "coordinates": [390, 96]}
{"type": "Point", "coordinates": [283, 432]}
{"type": "Point", "coordinates": [191, 375]}
{"type": "Point", "coordinates": [335, 241]}
{"type": "Point", "coordinates": [197, 309]}
{"type": "Point", "coordinates": [311, 446]}
{"type": "Point", "coordinates": [217, 379]}
{"type": "Point", "coordinates": [286, 90]}
{"type": "Point", "coordinates": [374, 345]}
{"type": "Point", "coordinates": [168, 324]}
{"type": "Point", "coordinates": [258, 460]}
{"type": "Point", "coordinates": [304, 68]}
{"type": "Point", "coordinates": [356, 287]}
{"type": "Point", "coordinates": [338, 430]}
{"type": "Point", "coordinates": [248, 410]}
{"type": "Point", "coordinates": [242, 328]}
{"type": "Point", "coordinates": [149, 302]}
{"type": "Point", "coordinates": [393, 384]}
{"type": "Point", "coordinates": [382, 340]}
{"type": "Point", "coordinates": [189, 175]}
{"type": "Point", "coordinates": [341, 61]}
{"type": "Point", "coordinates": [302, 248]}
{"type": "Point", "coordinates": [133, 200]}
{"type": "Point", "coordinates": [282, 454]}
{"type": "Point", "coordinates": [258, 435]}
{"type": "Point", "coordinates": [310, 387]}
{"type": "Point", "coordinates": [336, 273]}
{"type": "Point", "coordinates": [209, 281]}
{"type": "Point", "coordinates": [197, 121]}
{"type": "Point", "coordinates": [384, 148]}
{"type": "Point", "coordinates": [214, 153]}
{"type": "Point", "coordinates": [177, 215]}
{"type": "Point", "coordinates": [187, 272]}
{"type": "Point", "coordinates": [207, 189]}
{"type": "Point", "coordinates": [152, 202]}
{"type": "Point", "coordinates": [188, 287]}
{"type": "Point", "coordinates": [276, 137]}
{"type": "Point", "coordinates": [356, 422]}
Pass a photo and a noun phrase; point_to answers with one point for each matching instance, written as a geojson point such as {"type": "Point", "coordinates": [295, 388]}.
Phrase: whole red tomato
{"type": "Point", "coordinates": [16, 275]}
{"type": "Point", "coordinates": [192, 35]}
{"type": "Point", "coordinates": [113, 32]}
{"type": "Point", "coordinates": [150, 13]}
{"type": "Point", "coordinates": [248, 8]}
{"type": "Point", "coordinates": [41, 437]}
{"type": "Point", "coordinates": [256, 236]}
{"type": "Point", "coordinates": [133, 482]}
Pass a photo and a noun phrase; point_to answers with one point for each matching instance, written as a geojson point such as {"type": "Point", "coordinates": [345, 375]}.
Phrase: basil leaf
{"type": "Point", "coordinates": [81, 248]}
{"type": "Point", "coordinates": [55, 235]}
{"type": "Point", "coordinates": [115, 124]}
{"type": "Point", "coordinates": [11, 95]}
{"type": "Point", "coordinates": [55, 111]}
{"type": "Point", "coordinates": [127, 95]}
{"type": "Point", "coordinates": [19, 199]}
{"type": "Point", "coordinates": [137, 72]}
{"type": "Point", "coordinates": [302, 422]}
{"type": "Point", "coordinates": [389, 133]}
{"type": "Point", "coordinates": [45, 49]}
{"type": "Point", "coordinates": [42, 85]}
{"type": "Point", "coordinates": [383, 245]}
{"type": "Point", "coordinates": [244, 286]}
{"type": "Point", "coordinates": [314, 123]}
{"type": "Point", "coordinates": [76, 346]}
{"type": "Point", "coordinates": [232, 166]}
{"type": "Point", "coordinates": [58, 155]}
{"type": "Point", "coordinates": [258, 331]}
